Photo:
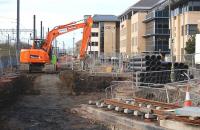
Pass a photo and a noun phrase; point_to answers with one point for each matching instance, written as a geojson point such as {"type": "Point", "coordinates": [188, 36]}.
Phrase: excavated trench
{"type": "Point", "coordinates": [84, 82]}
{"type": "Point", "coordinates": [44, 102]}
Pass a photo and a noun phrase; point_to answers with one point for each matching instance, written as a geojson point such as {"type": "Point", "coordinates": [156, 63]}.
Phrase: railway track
{"type": "Point", "coordinates": [147, 109]}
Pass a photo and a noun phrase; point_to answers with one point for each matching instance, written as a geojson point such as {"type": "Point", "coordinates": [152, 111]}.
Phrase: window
{"type": "Point", "coordinates": [150, 28]}
{"type": "Point", "coordinates": [150, 44]}
{"type": "Point", "coordinates": [196, 8]}
{"type": "Point", "coordinates": [194, 5]}
{"type": "Point", "coordinates": [182, 30]}
{"type": "Point", "coordinates": [161, 43]}
{"type": "Point", "coordinates": [162, 26]}
{"type": "Point", "coordinates": [94, 34]}
{"type": "Point", "coordinates": [101, 37]}
{"type": "Point", "coordinates": [134, 41]}
{"type": "Point", "coordinates": [94, 44]}
{"type": "Point", "coordinates": [93, 53]}
{"type": "Point", "coordinates": [187, 6]}
{"type": "Point", "coordinates": [191, 29]}
{"type": "Point", "coordinates": [135, 27]}
{"type": "Point", "coordinates": [95, 25]}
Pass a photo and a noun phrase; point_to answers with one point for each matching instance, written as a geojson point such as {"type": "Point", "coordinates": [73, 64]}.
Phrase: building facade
{"type": "Point", "coordinates": [185, 23]}
{"type": "Point", "coordinates": [138, 30]}
{"type": "Point", "coordinates": [157, 29]}
{"type": "Point", "coordinates": [144, 27]}
{"type": "Point", "coordinates": [125, 34]}
{"type": "Point", "coordinates": [104, 36]}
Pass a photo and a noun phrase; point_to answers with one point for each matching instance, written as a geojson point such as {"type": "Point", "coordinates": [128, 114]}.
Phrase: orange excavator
{"type": "Point", "coordinates": [39, 58]}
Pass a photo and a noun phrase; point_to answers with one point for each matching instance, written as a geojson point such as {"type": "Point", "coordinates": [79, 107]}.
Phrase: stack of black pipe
{"type": "Point", "coordinates": [180, 69]}
{"type": "Point", "coordinates": [147, 65]}
{"type": "Point", "coordinates": [155, 71]}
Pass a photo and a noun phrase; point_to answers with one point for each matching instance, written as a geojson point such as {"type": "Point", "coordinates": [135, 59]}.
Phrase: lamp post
{"type": "Point", "coordinates": [10, 58]}
{"type": "Point", "coordinates": [171, 43]}
{"type": "Point", "coordinates": [73, 53]}
{"type": "Point", "coordinates": [18, 28]}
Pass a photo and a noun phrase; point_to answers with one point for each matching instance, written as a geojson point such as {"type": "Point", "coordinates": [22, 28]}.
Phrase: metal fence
{"type": "Point", "coordinates": [8, 64]}
{"type": "Point", "coordinates": [188, 59]}
{"type": "Point", "coordinates": [120, 62]}
{"type": "Point", "coordinates": [105, 63]}
{"type": "Point", "coordinates": [170, 93]}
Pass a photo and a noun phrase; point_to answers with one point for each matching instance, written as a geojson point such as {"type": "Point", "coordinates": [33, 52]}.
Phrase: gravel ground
{"type": "Point", "coordinates": [47, 108]}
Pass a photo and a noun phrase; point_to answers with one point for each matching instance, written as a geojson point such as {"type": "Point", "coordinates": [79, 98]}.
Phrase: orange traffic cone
{"type": "Point", "coordinates": [188, 101]}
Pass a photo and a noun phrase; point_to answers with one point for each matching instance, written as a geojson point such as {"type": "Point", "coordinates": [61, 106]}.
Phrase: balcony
{"type": "Point", "coordinates": [156, 14]}
{"type": "Point", "coordinates": [150, 16]}
{"type": "Point", "coordinates": [157, 31]}
{"type": "Point", "coordinates": [162, 31]}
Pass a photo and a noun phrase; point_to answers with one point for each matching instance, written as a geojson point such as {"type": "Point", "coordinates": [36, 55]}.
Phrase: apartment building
{"type": "Point", "coordinates": [144, 27]}
{"type": "Point", "coordinates": [104, 36]}
{"type": "Point", "coordinates": [185, 23]}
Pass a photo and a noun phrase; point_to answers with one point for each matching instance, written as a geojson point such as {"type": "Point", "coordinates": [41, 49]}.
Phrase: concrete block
{"type": "Point", "coordinates": [193, 118]}
{"type": "Point", "coordinates": [141, 105]}
{"type": "Point", "coordinates": [150, 106]}
{"type": "Point", "coordinates": [134, 103]}
{"type": "Point", "coordinates": [118, 109]}
{"type": "Point", "coordinates": [158, 108]}
{"type": "Point", "coordinates": [111, 107]}
{"type": "Point", "coordinates": [150, 116]}
{"type": "Point", "coordinates": [98, 103]}
{"type": "Point", "coordinates": [127, 111]}
{"type": "Point", "coordinates": [102, 105]}
{"type": "Point", "coordinates": [138, 113]}
{"type": "Point", "coordinates": [90, 102]}
{"type": "Point", "coordinates": [128, 102]}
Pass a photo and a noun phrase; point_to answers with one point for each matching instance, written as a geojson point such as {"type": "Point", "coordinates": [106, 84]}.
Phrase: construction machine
{"type": "Point", "coordinates": [39, 57]}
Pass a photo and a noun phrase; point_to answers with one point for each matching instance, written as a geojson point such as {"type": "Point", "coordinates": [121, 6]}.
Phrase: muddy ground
{"type": "Point", "coordinates": [46, 106]}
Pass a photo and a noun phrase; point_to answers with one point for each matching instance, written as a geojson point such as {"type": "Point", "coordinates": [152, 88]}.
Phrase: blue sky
{"type": "Point", "coordinates": [56, 12]}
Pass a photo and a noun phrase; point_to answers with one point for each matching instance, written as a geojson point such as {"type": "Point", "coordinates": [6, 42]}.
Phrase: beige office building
{"type": "Point", "coordinates": [185, 23]}
{"type": "Point", "coordinates": [135, 34]}
{"type": "Point", "coordinates": [104, 36]}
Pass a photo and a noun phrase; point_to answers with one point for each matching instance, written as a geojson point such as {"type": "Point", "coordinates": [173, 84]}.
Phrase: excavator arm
{"type": "Point", "coordinates": [62, 29]}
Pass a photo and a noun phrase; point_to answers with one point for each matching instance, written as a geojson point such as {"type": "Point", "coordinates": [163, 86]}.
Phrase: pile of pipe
{"type": "Point", "coordinates": [152, 70]}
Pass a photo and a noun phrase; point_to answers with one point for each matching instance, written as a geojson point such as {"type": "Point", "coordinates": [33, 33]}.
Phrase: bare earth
{"type": "Point", "coordinates": [49, 109]}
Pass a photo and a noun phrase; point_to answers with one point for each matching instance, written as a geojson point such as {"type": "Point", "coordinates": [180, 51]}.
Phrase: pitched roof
{"type": "Point", "coordinates": [105, 18]}
{"type": "Point", "coordinates": [142, 5]}
{"type": "Point", "coordinates": [145, 3]}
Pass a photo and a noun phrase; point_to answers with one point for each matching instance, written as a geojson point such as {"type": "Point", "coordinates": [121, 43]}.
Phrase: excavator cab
{"type": "Point", "coordinates": [38, 43]}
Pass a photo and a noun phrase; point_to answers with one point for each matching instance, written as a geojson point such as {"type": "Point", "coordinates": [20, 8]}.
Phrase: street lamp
{"type": "Point", "coordinates": [171, 43]}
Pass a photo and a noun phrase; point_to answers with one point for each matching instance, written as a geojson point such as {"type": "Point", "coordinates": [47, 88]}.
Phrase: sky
{"type": "Point", "coordinates": [57, 12]}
